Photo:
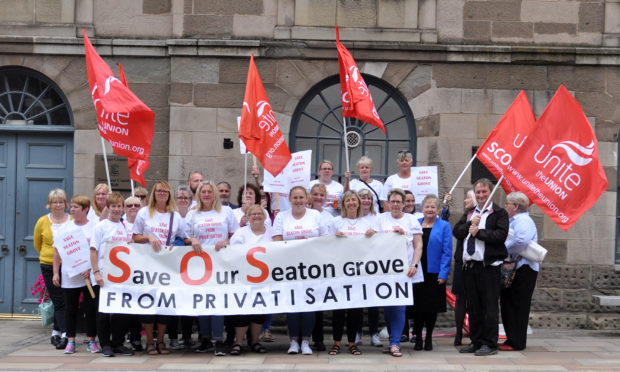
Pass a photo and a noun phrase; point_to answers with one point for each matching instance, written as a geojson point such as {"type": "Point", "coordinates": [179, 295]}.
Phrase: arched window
{"type": "Point", "coordinates": [29, 98]}
{"type": "Point", "coordinates": [317, 124]}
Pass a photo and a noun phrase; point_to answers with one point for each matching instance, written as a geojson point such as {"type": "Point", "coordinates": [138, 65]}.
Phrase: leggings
{"type": "Point", "coordinates": [72, 306]}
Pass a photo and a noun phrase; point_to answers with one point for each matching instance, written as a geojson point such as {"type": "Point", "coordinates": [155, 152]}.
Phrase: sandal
{"type": "Point", "coordinates": [258, 348]}
{"type": "Point", "coordinates": [395, 351]}
{"type": "Point", "coordinates": [354, 350]}
{"type": "Point", "coordinates": [151, 349]}
{"type": "Point", "coordinates": [162, 349]}
{"type": "Point", "coordinates": [235, 349]}
{"type": "Point", "coordinates": [335, 350]}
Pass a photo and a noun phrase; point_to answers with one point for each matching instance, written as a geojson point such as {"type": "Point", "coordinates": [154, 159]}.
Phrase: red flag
{"type": "Point", "coordinates": [558, 166]}
{"type": "Point", "coordinates": [259, 129]}
{"type": "Point", "coordinates": [121, 74]}
{"type": "Point", "coordinates": [124, 121]}
{"type": "Point", "coordinates": [356, 99]}
{"type": "Point", "coordinates": [505, 140]}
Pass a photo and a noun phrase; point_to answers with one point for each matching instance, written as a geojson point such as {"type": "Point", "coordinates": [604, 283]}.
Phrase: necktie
{"type": "Point", "coordinates": [471, 245]}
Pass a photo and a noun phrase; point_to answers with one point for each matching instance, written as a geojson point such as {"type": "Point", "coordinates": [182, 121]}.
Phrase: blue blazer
{"type": "Point", "coordinates": [439, 249]}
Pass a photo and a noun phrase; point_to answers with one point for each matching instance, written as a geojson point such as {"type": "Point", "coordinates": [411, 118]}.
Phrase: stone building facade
{"type": "Point", "coordinates": [458, 65]}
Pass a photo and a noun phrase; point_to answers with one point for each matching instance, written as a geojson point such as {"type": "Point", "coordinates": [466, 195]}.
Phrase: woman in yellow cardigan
{"type": "Point", "coordinates": [44, 244]}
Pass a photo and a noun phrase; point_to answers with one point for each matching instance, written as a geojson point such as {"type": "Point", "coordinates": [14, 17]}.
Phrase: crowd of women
{"type": "Point", "coordinates": [201, 215]}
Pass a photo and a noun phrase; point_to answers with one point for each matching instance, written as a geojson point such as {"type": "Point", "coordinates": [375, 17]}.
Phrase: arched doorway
{"type": "Point", "coordinates": [317, 124]}
{"type": "Point", "coordinates": [36, 155]}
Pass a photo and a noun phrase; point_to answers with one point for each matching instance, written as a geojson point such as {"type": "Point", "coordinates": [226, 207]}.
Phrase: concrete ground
{"type": "Point", "coordinates": [24, 345]}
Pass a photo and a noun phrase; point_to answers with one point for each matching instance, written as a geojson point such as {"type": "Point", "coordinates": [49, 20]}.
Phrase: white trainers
{"type": "Point", "coordinates": [305, 348]}
{"type": "Point", "coordinates": [294, 348]}
{"type": "Point", "coordinates": [375, 340]}
{"type": "Point", "coordinates": [358, 338]}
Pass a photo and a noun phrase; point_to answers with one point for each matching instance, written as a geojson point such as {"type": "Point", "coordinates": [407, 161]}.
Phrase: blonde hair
{"type": "Point", "coordinates": [350, 193]}
{"type": "Point", "coordinates": [95, 191]}
{"type": "Point", "coordinates": [364, 160]}
{"type": "Point", "coordinates": [171, 205]}
{"type": "Point", "coordinates": [217, 203]}
{"type": "Point", "coordinates": [132, 199]}
{"type": "Point", "coordinates": [252, 207]}
{"type": "Point", "coordinates": [328, 162]}
{"type": "Point", "coordinates": [319, 186]}
{"type": "Point", "coordinates": [364, 192]}
{"type": "Point", "coordinates": [56, 193]}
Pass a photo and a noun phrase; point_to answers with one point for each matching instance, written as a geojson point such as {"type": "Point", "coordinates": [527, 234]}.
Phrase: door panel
{"type": "Point", "coordinates": [7, 232]}
{"type": "Point", "coordinates": [43, 163]}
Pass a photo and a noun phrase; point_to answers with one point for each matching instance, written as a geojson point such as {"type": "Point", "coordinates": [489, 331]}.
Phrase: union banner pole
{"type": "Point", "coordinates": [105, 161]}
{"type": "Point", "coordinates": [461, 176]}
{"type": "Point", "coordinates": [499, 182]}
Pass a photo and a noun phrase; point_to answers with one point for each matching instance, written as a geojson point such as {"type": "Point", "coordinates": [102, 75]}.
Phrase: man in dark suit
{"type": "Point", "coordinates": [483, 254]}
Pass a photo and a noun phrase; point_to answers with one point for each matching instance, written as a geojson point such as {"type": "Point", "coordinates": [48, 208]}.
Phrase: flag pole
{"type": "Point", "coordinates": [132, 189]}
{"type": "Point", "coordinates": [461, 176]}
{"type": "Point", "coordinates": [489, 199]}
{"type": "Point", "coordinates": [245, 177]}
{"type": "Point", "coordinates": [344, 138]}
{"type": "Point", "coordinates": [105, 161]}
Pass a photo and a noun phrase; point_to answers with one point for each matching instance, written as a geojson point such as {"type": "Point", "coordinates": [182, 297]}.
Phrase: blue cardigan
{"type": "Point", "coordinates": [439, 249]}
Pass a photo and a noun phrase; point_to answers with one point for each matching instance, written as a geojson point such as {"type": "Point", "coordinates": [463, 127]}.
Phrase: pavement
{"type": "Point", "coordinates": [24, 345]}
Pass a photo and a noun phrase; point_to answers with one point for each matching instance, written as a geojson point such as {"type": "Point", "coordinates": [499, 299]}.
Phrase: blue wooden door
{"type": "Point", "coordinates": [41, 162]}
{"type": "Point", "coordinates": [7, 220]}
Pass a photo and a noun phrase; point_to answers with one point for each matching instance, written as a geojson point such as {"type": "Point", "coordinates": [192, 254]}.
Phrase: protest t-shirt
{"type": "Point", "coordinates": [357, 185]}
{"type": "Point", "coordinates": [239, 213]}
{"type": "Point", "coordinates": [158, 225]}
{"type": "Point", "coordinates": [395, 182]}
{"type": "Point", "coordinates": [386, 223]}
{"type": "Point", "coordinates": [334, 193]}
{"type": "Point", "coordinates": [245, 235]}
{"type": "Point", "coordinates": [210, 227]}
{"type": "Point", "coordinates": [308, 226]}
{"type": "Point", "coordinates": [353, 226]}
{"type": "Point", "coordinates": [106, 231]}
{"type": "Point", "coordinates": [327, 220]}
{"type": "Point", "coordinates": [75, 282]}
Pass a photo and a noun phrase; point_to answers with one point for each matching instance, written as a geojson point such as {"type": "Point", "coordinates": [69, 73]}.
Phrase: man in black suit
{"type": "Point", "coordinates": [483, 254]}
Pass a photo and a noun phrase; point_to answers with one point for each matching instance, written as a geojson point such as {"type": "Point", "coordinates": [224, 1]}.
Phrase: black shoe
{"type": "Point", "coordinates": [55, 340]}
{"type": "Point", "coordinates": [418, 344]}
{"type": "Point", "coordinates": [122, 350]}
{"type": "Point", "coordinates": [62, 344]}
{"type": "Point", "coordinates": [220, 349]}
{"type": "Point", "coordinates": [457, 341]}
{"type": "Point", "coordinates": [471, 348]}
{"type": "Point", "coordinates": [319, 346]}
{"type": "Point", "coordinates": [486, 351]}
{"type": "Point", "coordinates": [205, 345]}
{"type": "Point", "coordinates": [428, 344]}
{"type": "Point", "coordinates": [413, 338]}
{"type": "Point", "coordinates": [404, 338]}
{"type": "Point", "coordinates": [137, 345]}
{"type": "Point", "coordinates": [107, 351]}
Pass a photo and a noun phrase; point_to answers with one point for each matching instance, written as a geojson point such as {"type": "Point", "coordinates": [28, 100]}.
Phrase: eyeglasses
{"type": "Point", "coordinates": [133, 205]}
{"type": "Point", "coordinates": [141, 196]}
{"type": "Point", "coordinates": [162, 191]}
{"type": "Point", "coordinates": [183, 198]}
{"type": "Point", "coordinates": [326, 169]}
{"type": "Point", "coordinates": [404, 152]}
{"type": "Point", "coordinates": [258, 214]}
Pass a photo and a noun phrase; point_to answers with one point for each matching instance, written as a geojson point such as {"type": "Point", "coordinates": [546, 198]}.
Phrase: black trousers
{"type": "Point", "coordinates": [72, 310]}
{"type": "Point", "coordinates": [317, 331]}
{"type": "Point", "coordinates": [515, 302]}
{"type": "Point", "coordinates": [353, 319]}
{"type": "Point", "coordinates": [57, 297]}
{"type": "Point", "coordinates": [482, 288]}
{"type": "Point", "coordinates": [187, 323]}
{"type": "Point", "coordinates": [114, 325]}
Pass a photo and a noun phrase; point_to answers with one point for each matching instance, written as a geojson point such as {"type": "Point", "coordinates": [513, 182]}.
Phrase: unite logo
{"type": "Point", "coordinates": [266, 118]}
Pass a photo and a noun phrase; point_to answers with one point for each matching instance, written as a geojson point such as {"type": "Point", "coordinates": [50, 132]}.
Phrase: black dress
{"type": "Point", "coordinates": [429, 296]}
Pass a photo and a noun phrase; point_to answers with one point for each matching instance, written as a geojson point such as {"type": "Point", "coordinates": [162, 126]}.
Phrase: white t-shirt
{"type": "Point", "coordinates": [239, 213]}
{"type": "Point", "coordinates": [334, 193]}
{"type": "Point", "coordinates": [327, 220]}
{"type": "Point", "coordinates": [395, 182]}
{"type": "Point", "coordinates": [158, 225]}
{"type": "Point", "coordinates": [308, 226]}
{"type": "Point", "coordinates": [92, 215]}
{"type": "Point", "coordinates": [372, 220]}
{"type": "Point", "coordinates": [129, 228]}
{"type": "Point", "coordinates": [283, 203]}
{"type": "Point", "coordinates": [210, 227]}
{"type": "Point", "coordinates": [386, 223]}
{"type": "Point", "coordinates": [357, 185]}
{"type": "Point", "coordinates": [106, 231]}
{"type": "Point", "coordinates": [75, 282]}
{"type": "Point", "coordinates": [245, 235]}
{"type": "Point", "coordinates": [353, 226]}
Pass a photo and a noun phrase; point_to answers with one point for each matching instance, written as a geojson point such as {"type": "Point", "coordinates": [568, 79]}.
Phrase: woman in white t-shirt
{"type": "Point", "coordinates": [349, 223]}
{"type": "Point", "coordinates": [210, 224]}
{"type": "Point", "coordinates": [72, 287]}
{"type": "Point", "coordinates": [402, 223]}
{"type": "Point", "coordinates": [98, 211]}
{"type": "Point", "coordinates": [246, 199]}
{"type": "Point", "coordinates": [318, 195]}
{"type": "Point", "coordinates": [157, 224]}
{"type": "Point", "coordinates": [299, 222]}
{"type": "Point", "coordinates": [364, 169]}
{"type": "Point", "coordinates": [333, 188]}
{"type": "Point", "coordinates": [401, 180]}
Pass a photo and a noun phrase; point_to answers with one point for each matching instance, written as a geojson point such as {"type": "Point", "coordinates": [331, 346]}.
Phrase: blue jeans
{"type": "Point", "coordinates": [212, 325]}
{"type": "Point", "coordinates": [395, 321]}
{"type": "Point", "coordinates": [300, 321]}
{"type": "Point", "coordinates": [267, 323]}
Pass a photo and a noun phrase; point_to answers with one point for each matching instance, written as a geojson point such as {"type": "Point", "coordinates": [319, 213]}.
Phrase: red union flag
{"type": "Point", "coordinates": [356, 99]}
{"type": "Point", "coordinates": [124, 121]}
{"type": "Point", "coordinates": [506, 139]}
{"type": "Point", "coordinates": [558, 167]}
{"type": "Point", "coordinates": [259, 129]}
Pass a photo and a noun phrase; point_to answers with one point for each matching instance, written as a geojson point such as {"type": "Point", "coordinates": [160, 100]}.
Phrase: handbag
{"type": "Point", "coordinates": [46, 311]}
{"type": "Point", "coordinates": [508, 272]}
{"type": "Point", "coordinates": [533, 252]}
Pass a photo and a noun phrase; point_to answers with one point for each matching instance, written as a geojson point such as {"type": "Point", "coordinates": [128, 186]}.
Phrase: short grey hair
{"type": "Point", "coordinates": [364, 160]}
{"type": "Point", "coordinates": [519, 199]}
{"type": "Point", "coordinates": [432, 198]}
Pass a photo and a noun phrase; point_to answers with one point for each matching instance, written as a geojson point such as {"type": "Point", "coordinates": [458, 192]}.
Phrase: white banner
{"type": "Point", "coordinates": [425, 181]}
{"type": "Point", "coordinates": [74, 250]}
{"type": "Point", "coordinates": [296, 173]}
{"type": "Point", "coordinates": [275, 277]}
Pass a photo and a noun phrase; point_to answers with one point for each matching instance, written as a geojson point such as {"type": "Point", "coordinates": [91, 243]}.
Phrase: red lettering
{"type": "Point", "coordinates": [208, 268]}
{"type": "Point", "coordinates": [264, 269]}
{"type": "Point", "coordinates": [114, 260]}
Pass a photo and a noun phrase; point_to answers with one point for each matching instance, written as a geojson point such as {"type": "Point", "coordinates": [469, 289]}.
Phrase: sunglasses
{"type": "Point", "coordinates": [133, 205]}
{"type": "Point", "coordinates": [141, 196]}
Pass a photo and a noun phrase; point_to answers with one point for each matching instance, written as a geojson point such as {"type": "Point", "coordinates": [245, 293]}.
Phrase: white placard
{"type": "Point", "coordinates": [296, 173]}
{"type": "Point", "coordinates": [424, 182]}
{"type": "Point", "coordinates": [74, 250]}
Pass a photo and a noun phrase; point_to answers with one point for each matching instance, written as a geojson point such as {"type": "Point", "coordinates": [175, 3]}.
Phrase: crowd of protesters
{"type": "Point", "coordinates": [200, 215]}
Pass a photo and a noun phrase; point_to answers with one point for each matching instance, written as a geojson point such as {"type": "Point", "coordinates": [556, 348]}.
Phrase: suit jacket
{"type": "Point", "coordinates": [439, 248]}
{"type": "Point", "coordinates": [493, 235]}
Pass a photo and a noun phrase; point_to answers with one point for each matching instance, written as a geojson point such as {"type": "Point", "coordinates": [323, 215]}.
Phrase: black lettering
{"type": "Point", "coordinates": [378, 290]}
{"type": "Point", "coordinates": [259, 299]}
{"type": "Point", "coordinates": [138, 277]}
{"type": "Point", "coordinates": [348, 288]}
{"type": "Point", "coordinates": [147, 296]}
{"type": "Point", "coordinates": [233, 274]}
{"type": "Point", "coordinates": [209, 301]}
{"type": "Point", "coordinates": [384, 268]}
{"type": "Point", "coordinates": [347, 269]}
{"type": "Point", "coordinates": [164, 279]}
{"type": "Point", "coordinates": [331, 268]}
{"type": "Point", "coordinates": [197, 298]}
{"type": "Point", "coordinates": [400, 290]}
{"type": "Point", "coordinates": [291, 273]}
{"type": "Point", "coordinates": [219, 279]}
{"type": "Point", "coordinates": [240, 303]}
{"type": "Point", "coordinates": [126, 299]}
{"type": "Point", "coordinates": [314, 271]}
{"type": "Point", "coordinates": [276, 274]}
{"type": "Point", "coordinates": [398, 265]}
{"type": "Point", "coordinates": [292, 297]}
{"type": "Point", "coordinates": [330, 295]}
{"type": "Point", "coordinates": [302, 273]}
{"type": "Point", "coordinates": [309, 292]}
{"type": "Point", "coordinates": [168, 301]}
{"type": "Point", "coordinates": [112, 297]}
{"type": "Point", "coordinates": [275, 297]}
{"type": "Point", "coordinates": [364, 290]}
{"type": "Point", "coordinates": [371, 267]}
